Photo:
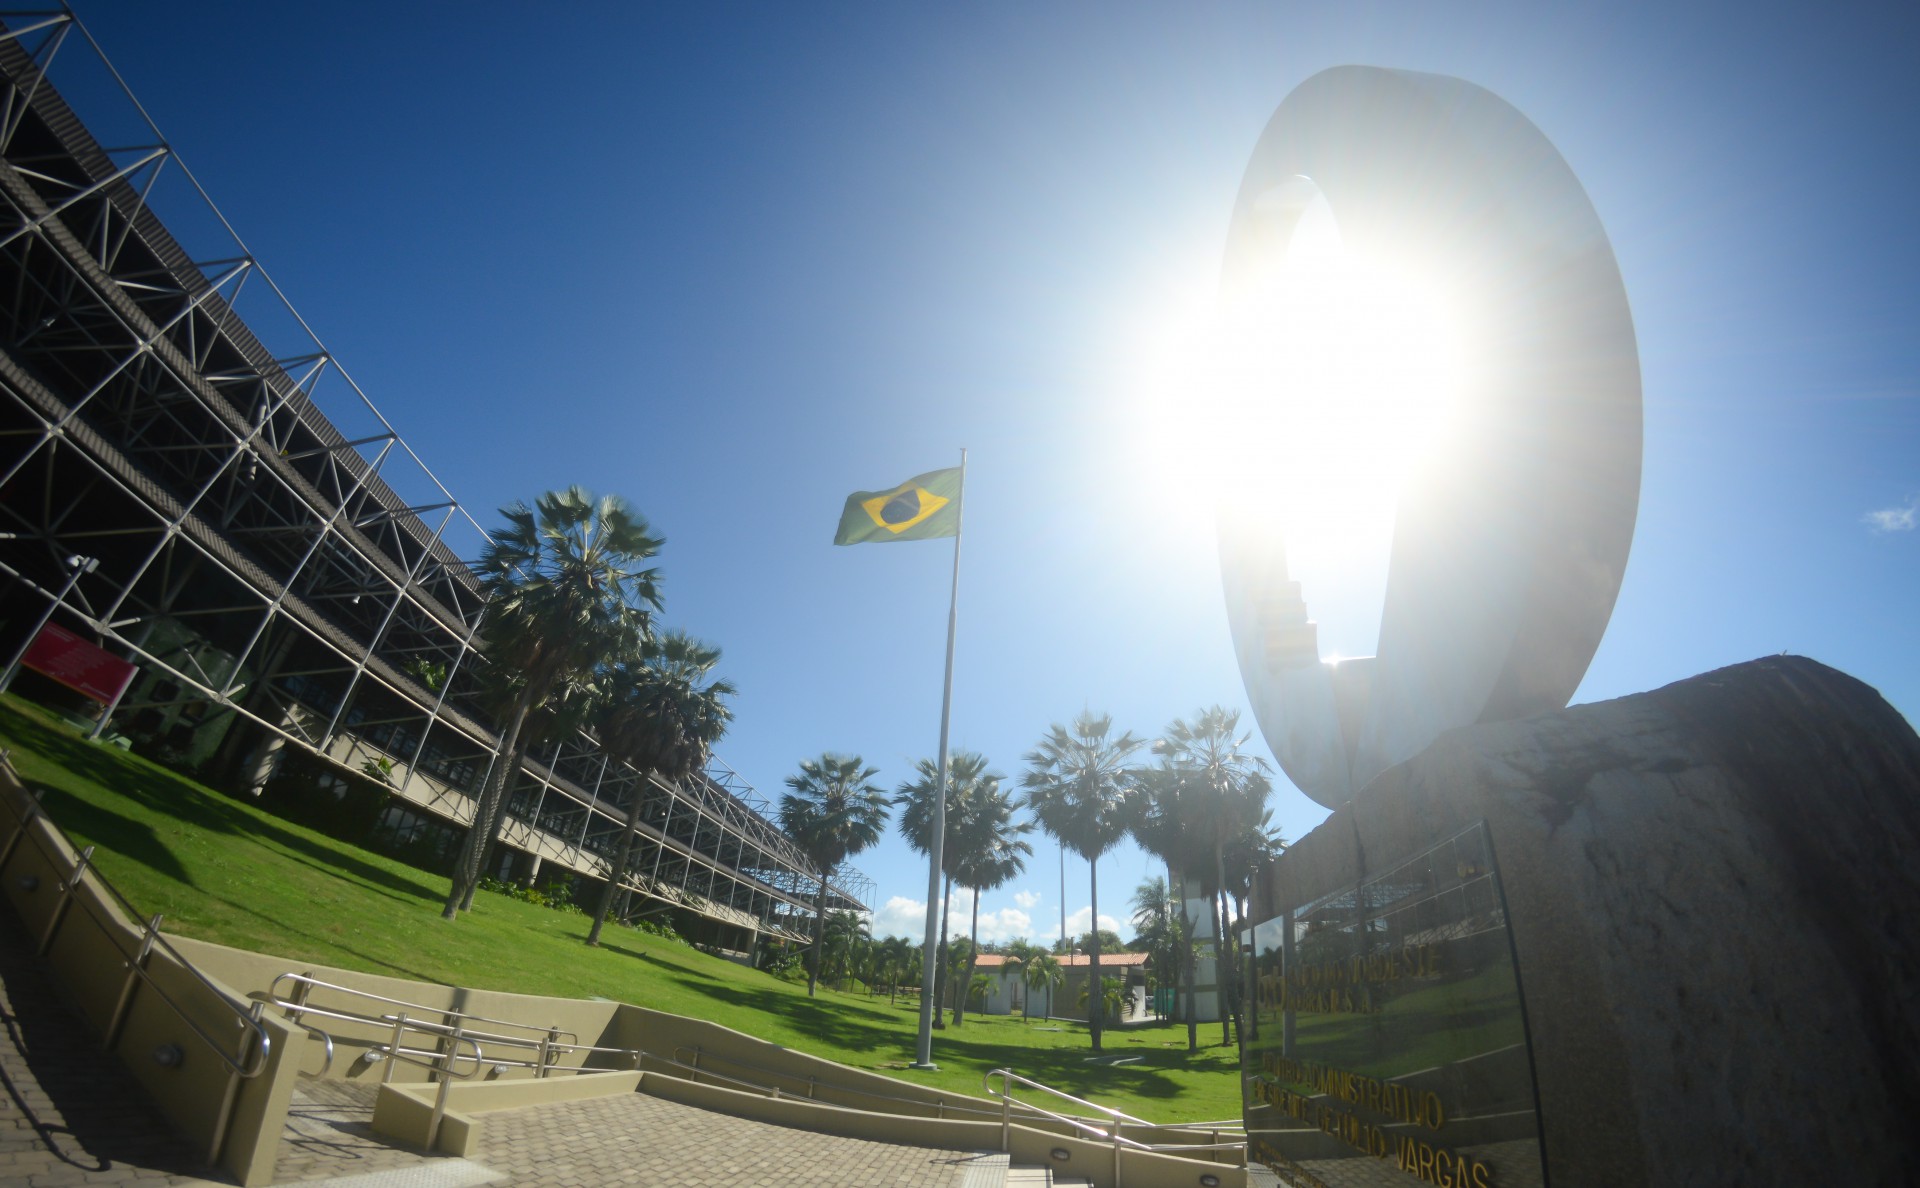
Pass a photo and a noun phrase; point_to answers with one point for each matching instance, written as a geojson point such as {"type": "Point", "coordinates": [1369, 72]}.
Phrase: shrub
{"type": "Point", "coordinates": [557, 895]}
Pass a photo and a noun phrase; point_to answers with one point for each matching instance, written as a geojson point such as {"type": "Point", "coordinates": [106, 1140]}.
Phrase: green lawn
{"type": "Point", "coordinates": [228, 872]}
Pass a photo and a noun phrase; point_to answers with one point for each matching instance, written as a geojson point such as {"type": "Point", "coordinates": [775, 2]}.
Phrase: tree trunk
{"type": "Point", "coordinates": [1250, 1002]}
{"type": "Point", "coordinates": [1231, 951]}
{"type": "Point", "coordinates": [226, 765]}
{"type": "Point", "coordinates": [619, 872]}
{"type": "Point", "coordinates": [819, 935]}
{"type": "Point", "coordinates": [466, 872]}
{"type": "Point", "coordinates": [1096, 1009]}
{"type": "Point", "coordinates": [1170, 970]}
{"type": "Point", "coordinates": [940, 978]}
{"type": "Point", "coordinates": [1221, 980]}
{"type": "Point", "coordinates": [495, 823]}
{"type": "Point", "coordinates": [973, 955]}
{"type": "Point", "coordinates": [1186, 968]}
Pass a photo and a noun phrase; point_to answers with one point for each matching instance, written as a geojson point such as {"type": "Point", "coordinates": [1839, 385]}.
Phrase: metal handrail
{"type": "Point", "coordinates": [548, 1047]}
{"type": "Point", "coordinates": [696, 1072]}
{"type": "Point", "coordinates": [327, 1064]}
{"type": "Point", "coordinates": [256, 1045]}
{"type": "Point", "coordinates": [1112, 1133]}
{"type": "Point", "coordinates": [306, 984]}
{"type": "Point", "coordinates": [441, 1065]}
{"type": "Point", "coordinates": [941, 1107]}
{"type": "Point", "coordinates": [384, 1020]}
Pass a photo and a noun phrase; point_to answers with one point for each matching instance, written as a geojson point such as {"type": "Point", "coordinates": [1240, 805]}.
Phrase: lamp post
{"type": "Point", "coordinates": [80, 565]}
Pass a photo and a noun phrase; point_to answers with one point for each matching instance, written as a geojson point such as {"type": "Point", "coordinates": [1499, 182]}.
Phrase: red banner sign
{"type": "Point", "coordinates": [77, 664]}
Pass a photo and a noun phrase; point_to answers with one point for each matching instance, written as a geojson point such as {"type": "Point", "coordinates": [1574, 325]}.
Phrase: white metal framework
{"type": "Point", "coordinates": [287, 580]}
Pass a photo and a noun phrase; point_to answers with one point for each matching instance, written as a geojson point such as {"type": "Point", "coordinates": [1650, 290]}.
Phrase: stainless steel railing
{"type": "Point", "coordinates": [441, 1065]}
{"type": "Point", "coordinates": [942, 1107]}
{"type": "Point", "coordinates": [1110, 1133]}
{"type": "Point", "coordinates": [544, 1047]}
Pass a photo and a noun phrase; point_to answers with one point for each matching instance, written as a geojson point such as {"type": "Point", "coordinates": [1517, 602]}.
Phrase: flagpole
{"type": "Point", "coordinates": [929, 964]}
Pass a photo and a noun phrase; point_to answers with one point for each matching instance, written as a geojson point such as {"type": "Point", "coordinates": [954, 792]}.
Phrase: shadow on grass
{"type": "Point", "coordinates": [117, 779]}
{"type": "Point", "coordinates": [854, 1028]}
{"type": "Point", "coordinates": [1079, 1071]}
{"type": "Point", "coordinates": [679, 970]}
{"type": "Point", "coordinates": [280, 934]}
{"type": "Point", "coordinates": [130, 839]}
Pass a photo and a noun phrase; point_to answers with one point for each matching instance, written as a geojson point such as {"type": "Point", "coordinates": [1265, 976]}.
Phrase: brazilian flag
{"type": "Point", "coordinates": [922, 508]}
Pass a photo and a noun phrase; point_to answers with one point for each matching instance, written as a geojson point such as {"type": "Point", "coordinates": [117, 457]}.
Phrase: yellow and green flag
{"type": "Point", "coordinates": [922, 508]}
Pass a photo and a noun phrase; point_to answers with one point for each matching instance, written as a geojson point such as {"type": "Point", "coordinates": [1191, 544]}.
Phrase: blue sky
{"type": "Point", "coordinates": [736, 261]}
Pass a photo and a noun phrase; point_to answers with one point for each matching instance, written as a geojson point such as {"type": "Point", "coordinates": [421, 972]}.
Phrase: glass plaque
{"type": "Point", "coordinates": [1388, 1045]}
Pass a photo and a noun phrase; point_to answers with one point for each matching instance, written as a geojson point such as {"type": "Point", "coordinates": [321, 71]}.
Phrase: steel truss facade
{"type": "Point", "coordinates": [287, 580]}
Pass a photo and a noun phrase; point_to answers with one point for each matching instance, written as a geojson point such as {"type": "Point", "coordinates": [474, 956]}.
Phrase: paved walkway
{"type": "Point", "coordinates": [69, 1116]}
{"type": "Point", "coordinates": [636, 1139]}
{"type": "Point", "coordinates": [330, 1136]}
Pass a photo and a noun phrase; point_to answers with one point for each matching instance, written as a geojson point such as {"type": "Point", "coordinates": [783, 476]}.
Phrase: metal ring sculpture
{"type": "Point", "coordinates": [1508, 552]}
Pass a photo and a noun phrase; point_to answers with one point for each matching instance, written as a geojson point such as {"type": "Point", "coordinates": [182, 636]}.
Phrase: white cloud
{"type": "Point", "coordinates": [1895, 519]}
{"type": "Point", "coordinates": [1004, 925]}
{"type": "Point", "coordinates": [901, 916]}
{"type": "Point", "coordinates": [1077, 923]}
{"type": "Point", "coordinates": [1026, 899]}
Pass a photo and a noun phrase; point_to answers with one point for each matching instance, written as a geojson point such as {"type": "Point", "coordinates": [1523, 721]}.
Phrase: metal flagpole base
{"type": "Point", "coordinates": [929, 1066]}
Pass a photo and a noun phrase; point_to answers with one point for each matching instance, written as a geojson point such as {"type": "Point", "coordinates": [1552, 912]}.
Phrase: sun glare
{"type": "Point", "coordinates": [1318, 387]}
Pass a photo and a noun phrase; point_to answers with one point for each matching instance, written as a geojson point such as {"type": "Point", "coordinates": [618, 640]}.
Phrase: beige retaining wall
{"type": "Point", "coordinates": [577, 1020]}
{"type": "Point", "coordinates": [172, 1031]}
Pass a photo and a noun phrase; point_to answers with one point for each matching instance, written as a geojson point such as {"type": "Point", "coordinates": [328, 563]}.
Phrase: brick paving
{"type": "Point", "coordinates": [636, 1139]}
{"type": "Point", "coordinates": [330, 1134]}
{"type": "Point", "coordinates": [69, 1115]}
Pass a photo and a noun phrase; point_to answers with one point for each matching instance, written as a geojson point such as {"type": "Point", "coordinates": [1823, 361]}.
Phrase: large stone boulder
{"type": "Point", "coordinates": [1713, 891]}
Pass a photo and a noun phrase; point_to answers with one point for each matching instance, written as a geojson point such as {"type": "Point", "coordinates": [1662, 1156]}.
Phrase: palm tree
{"type": "Point", "coordinates": [844, 939]}
{"type": "Point", "coordinates": [1022, 950]}
{"type": "Point", "coordinates": [1043, 969]}
{"type": "Point", "coordinates": [916, 801]}
{"type": "Point", "coordinates": [896, 953]}
{"type": "Point", "coordinates": [1077, 786]}
{"type": "Point", "coordinates": [978, 986]}
{"type": "Point", "coordinates": [1248, 853]}
{"type": "Point", "coordinates": [1227, 789]}
{"type": "Point", "coordinates": [1158, 927]}
{"type": "Point", "coordinates": [1165, 823]}
{"type": "Point", "coordinates": [1113, 996]}
{"type": "Point", "coordinates": [959, 957]}
{"type": "Point", "coordinates": [564, 588]}
{"type": "Point", "coordinates": [568, 708]}
{"type": "Point", "coordinates": [915, 962]}
{"type": "Point", "coordinates": [991, 851]}
{"type": "Point", "coordinates": [657, 716]}
{"type": "Point", "coordinates": [833, 812]}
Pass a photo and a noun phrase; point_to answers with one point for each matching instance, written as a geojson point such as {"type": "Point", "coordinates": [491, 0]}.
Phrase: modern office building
{"type": "Point", "coordinates": [191, 482]}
